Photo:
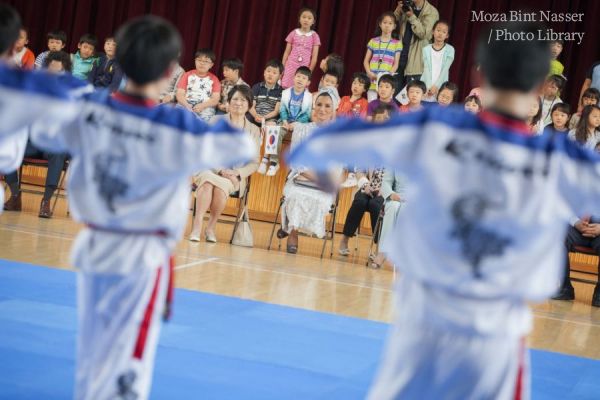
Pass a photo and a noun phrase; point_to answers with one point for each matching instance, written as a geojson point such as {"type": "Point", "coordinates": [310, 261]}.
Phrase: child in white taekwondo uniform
{"type": "Point", "coordinates": [129, 184]}
{"type": "Point", "coordinates": [25, 97]}
{"type": "Point", "coordinates": [481, 235]}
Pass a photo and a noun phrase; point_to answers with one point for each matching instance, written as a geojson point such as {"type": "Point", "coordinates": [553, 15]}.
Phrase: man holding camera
{"type": "Point", "coordinates": [415, 21]}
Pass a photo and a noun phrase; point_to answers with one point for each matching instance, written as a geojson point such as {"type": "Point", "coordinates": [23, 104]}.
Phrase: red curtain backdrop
{"type": "Point", "coordinates": [255, 30]}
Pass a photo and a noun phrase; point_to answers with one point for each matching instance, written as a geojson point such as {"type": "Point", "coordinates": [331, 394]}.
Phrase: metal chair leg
{"type": "Point", "coordinates": [58, 189]}
{"type": "Point", "coordinates": [275, 223]}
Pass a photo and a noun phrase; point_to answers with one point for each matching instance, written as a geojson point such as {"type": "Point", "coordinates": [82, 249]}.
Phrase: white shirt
{"type": "Point", "coordinates": [436, 63]}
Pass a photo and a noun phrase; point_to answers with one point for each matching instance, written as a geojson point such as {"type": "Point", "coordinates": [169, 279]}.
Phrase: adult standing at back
{"type": "Point", "coordinates": [415, 20]}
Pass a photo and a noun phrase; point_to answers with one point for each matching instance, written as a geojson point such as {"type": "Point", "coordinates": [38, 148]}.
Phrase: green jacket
{"type": "Point", "coordinates": [422, 27]}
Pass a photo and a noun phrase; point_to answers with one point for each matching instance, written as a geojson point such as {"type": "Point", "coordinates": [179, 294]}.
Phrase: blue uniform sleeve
{"type": "Point", "coordinates": [361, 143]}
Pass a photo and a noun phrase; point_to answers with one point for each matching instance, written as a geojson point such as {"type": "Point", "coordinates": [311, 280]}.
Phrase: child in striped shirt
{"type": "Point", "coordinates": [383, 52]}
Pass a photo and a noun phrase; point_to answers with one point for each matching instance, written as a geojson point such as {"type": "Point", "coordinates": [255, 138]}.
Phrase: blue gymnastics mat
{"type": "Point", "coordinates": [219, 347]}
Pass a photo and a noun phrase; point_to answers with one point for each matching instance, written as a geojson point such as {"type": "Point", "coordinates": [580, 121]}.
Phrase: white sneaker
{"type": "Point", "coordinates": [350, 180]}
{"type": "Point", "coordinates": [210, 237]}
{"type": "Point", "coordinates": [262, 168]}
{"type": "Point", "coordinates": [273, 168]}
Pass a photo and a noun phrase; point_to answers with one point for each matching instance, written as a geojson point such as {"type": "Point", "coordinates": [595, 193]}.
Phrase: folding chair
{"type": "Point", "coordinates": [376, 234]}
{"type": "Point", "coordinates": [38, 162]}
{"type": "Point", "coordinates": [329, 234]}
{"type": "Point", "coordinates": [242, 203]}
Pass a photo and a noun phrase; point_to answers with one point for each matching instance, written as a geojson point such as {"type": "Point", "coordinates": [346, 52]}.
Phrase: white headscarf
{"type": "Point", "coordinates": [333, 93]}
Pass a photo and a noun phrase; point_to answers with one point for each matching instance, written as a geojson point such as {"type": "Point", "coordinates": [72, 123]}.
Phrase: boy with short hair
{"type": "Point", "coordinates": [356, 104]}
{"type": "Point", "coordinates": [330, 79]}
{"type": "Point", "coordinates": [23, 57]}
{"type": "Point", "coordinates": [267, 95]}
{"type": "Point", "coordinates": [107, 73]}
{"type": "Point", "coordinates": [295, 106]}
{"type": "Point", "coordinates": [58, 62]}
{"type": "Point", "coordinates": [500, 200]}
{"type": "Point", "coordinates": [57, 41]}
{"type": "Point", "coordinates": [232, 71]}
{"type": "Point", "coordinates": [385, 92]}
{"type": "Point", "coordinates": [553, 86]}
{"type": "Point", "coordinates": [556, 67]}
{"type": "Point", "coordinates": [131, 192]}
{"type": "Point", "coordinates": [199, 90]}
{"type": "Point", "coordinates": [415, 90]}
{"type": "Point", "coordinates": [84, 59]}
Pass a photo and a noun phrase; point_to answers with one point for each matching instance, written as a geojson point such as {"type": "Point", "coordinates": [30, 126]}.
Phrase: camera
{"type": "Point", "coordinates": [408, 5]}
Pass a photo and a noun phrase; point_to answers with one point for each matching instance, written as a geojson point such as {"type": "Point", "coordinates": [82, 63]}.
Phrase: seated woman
{"type": "Point", "coordinates": [214, 186]}
{"type": "Point", "coordinates": [305, 206]}
{"type": "Point", "coordinates": [368, 198]}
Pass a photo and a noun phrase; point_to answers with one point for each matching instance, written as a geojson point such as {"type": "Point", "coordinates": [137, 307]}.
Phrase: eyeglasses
{"type": "Point", "coordinates": [203, 61]}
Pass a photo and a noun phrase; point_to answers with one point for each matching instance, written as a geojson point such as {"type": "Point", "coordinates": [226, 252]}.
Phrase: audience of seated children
{"type": "Point", "coordinates": [534, 116]}
{"type": "Point", "coordinates": [85, 59]}
{"type": "Point", "coordinates": [199, 90]}
{"type": "Point", "coordinates": [561, 113]}
{"type": "Point", "coordinates": [437, 60]}
{"type": "Point", "coordinates": [447, 94]}
{"type": "Point", "coordinates": [591, 96]}
{"type": "Point", "coordinates": [169, 94]}
{"type": "Point", "coordinates": [23, 57]}
{"type": "Point", "coordinates": [552, 88]}
{"type": "Point", "coordinates": [415, 91]}
{"type": "Point", "coordinates": [556, 67]}
{"type": "Point", "coordinates": [587, 132]}
{"type": "Point", "coordinates": [356, 104]}
{"type": "Point", "coordinates": [367, 198]}
{"type": "Point", "coordinates": [302, 47]}
{"type": "Point", "coordinates": [107, 74]}
{"type": "Point", "coordinates": [57, 41]}
{"type": "Point", "coordinates": [473, 104]}
{"type": "Point", "coordinates": [383, 53]}
{"type": "Point", "coordinates": [232, 71]}
{"type": "Point", "coordinates": [385, 91]}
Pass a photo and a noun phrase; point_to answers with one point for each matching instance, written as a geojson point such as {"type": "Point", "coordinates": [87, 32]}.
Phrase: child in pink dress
{"type": "Point", "coordinates": [302, 47]}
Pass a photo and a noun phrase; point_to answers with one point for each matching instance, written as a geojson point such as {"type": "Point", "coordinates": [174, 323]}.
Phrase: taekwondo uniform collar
{"type": "Point", "coordinates": [134, 100]}
{"type": "Point", "coordinates": [505, 120]}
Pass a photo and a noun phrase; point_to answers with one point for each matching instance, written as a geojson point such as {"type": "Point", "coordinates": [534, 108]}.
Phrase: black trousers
{"type": "Point", "coordinates": [362, 203]}
{"type": "Point", "coordinates": [55, 166]}
{"type": "Point", "coordinates": [575, 238]}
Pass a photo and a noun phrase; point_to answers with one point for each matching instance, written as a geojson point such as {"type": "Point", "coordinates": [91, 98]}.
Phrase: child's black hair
{"type": "Point", "coordinates": [304, 71]}
{"type": "Point", "coordinates": [453, 87]}
{"type": "Point", "coordinates": [562, 107]}
{"type": "Point", "coordinates": [582, 130]}
{"type": "Point", "coordinates": [147, 47]}
{"type": "Point", "coordinates": [378, 31]}
{"type": "Point", "coordinates": [475, 99]}
{"type": "Point", "coordinates": [438, 22]}
{"type": "Point", "coordinates": [275, 63]}
{"type": "Point", "coordinates": [558, 80]}
{"type": "Point", "coordinates": [363, 79]}
{"type": "Point", "coordinates": [89, 39]}
{"type": "Point", "coordinates": [57, 35]}
{"type": "Point", "coordinates": [592, 93]}
{"type": "Point", "coordinates": [60, 56]}
{"type": "Point", "coordinates": [387, 78]}
{"type": "Point", "coordinates": [208, 53]}
{"type": "Point", "coordinates": [383, 108]}
{"type": "Point", "coordinates": [10, 26]}
{"type": "Point", "coordinates": [334, 74]}
{"type": "Point", "coordinates": [310, 10]}
{"type": "Point", "coordinates": [335, 63]}
{"type": "Point", "coordinates": [235, 64]}
{"type": "Point", "coordinates": [519, 65]}
{"type": "Point", "coordinates": [418, 84]}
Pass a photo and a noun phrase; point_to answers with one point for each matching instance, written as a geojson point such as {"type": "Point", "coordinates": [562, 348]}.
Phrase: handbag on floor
{"type": "Point", "coordinates": [243, 233]}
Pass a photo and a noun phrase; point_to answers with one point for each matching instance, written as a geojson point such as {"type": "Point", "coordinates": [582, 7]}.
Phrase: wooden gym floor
{"type": "Point", "coordinates": [341, 285]}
